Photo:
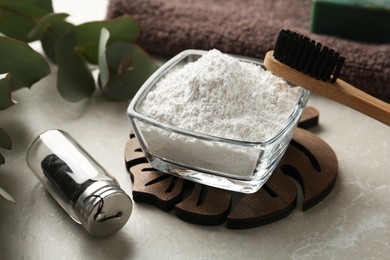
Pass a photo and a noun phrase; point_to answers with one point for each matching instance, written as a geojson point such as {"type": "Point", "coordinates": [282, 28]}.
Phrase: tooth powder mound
{"type": "Point", "coordinates": [222, 96]}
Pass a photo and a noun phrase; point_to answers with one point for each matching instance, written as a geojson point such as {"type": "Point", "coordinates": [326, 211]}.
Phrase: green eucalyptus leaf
{"type": "Point", "coordinates": [5, 194]}
{"type": "Point", "coordinates": [45, 23]}
{"type": "Point", "coordinates": [129, 68]}
{"type": "Point", "coordinates": [50, 37]}
{"type": "Point", "coordinates": [45, 5]}
{"type": "Point", "coordinates": [87, 35]}
{"type": "Point", "coordinates": [103, 67]}
{"type": "Point", "coordinates": [19, 17]}
{"type": "Point", "coordinates": [5, 140]}
{"type": "Point", "coordinates": [74, 79]}
{"type": "Point", "coordinates": [5, 92]}
{"type": "Point", "coordinates": [25, 65]}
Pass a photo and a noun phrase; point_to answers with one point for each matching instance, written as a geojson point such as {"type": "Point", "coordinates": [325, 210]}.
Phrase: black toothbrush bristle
{"type": "Point", "coordinates": [310, 57]}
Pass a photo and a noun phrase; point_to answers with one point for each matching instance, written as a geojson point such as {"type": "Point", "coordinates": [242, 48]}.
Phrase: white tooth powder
{"type": "Point", "coordinates": [220, 96]}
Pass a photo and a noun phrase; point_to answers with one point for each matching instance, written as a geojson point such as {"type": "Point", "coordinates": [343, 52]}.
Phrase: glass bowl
{"type": "Point", "coordinates": [235, 165]}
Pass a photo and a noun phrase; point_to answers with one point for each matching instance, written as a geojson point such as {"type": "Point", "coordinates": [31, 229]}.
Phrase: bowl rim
{"type": "Point", "coordinates": [161, 72]}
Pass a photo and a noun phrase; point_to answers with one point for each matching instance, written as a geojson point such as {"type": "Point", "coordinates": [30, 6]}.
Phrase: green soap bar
{"type": "Point", "coordinates": [360, 20]}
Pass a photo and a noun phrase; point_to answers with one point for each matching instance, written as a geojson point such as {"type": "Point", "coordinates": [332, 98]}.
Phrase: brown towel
{"type": "Point", "coordinates": [250, 28]}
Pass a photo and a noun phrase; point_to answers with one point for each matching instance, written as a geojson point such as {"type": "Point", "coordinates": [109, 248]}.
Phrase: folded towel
{"type": "Point", "coordinates": [248, 28]}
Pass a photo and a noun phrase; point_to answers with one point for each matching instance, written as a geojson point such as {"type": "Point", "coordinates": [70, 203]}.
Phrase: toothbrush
{"type": "Point", "coordinates": [308, 64]}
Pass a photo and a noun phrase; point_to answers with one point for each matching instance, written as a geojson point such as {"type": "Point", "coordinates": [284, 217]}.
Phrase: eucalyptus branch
{"type": "Point", "coordinates": [72, 48]}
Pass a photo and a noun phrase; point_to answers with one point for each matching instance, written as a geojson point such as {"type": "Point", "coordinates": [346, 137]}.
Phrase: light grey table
{"type": "Point", "coordinates": [353, 222]}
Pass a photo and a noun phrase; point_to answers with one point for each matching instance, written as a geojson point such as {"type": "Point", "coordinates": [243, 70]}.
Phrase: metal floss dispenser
{"type": "Point", "coordinates": [78, 183]}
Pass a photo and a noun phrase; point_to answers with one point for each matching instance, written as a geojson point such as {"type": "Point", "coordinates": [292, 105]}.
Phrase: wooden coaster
{"type": "Point", "coordinates": [308, 160]}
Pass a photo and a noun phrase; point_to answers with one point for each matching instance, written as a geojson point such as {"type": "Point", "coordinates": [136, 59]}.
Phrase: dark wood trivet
{"type": "Point", "coordinates": [308, 160]}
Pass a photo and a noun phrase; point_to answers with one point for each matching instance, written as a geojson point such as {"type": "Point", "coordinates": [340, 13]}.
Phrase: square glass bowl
{"type": "Point", "coordinates": [235, 165]}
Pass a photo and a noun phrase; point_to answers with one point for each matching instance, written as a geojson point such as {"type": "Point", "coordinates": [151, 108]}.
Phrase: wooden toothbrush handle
{"type": "Point", "coordinates": [362, 102]}
{"type": "Point", "coordinates": [340, 91]}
